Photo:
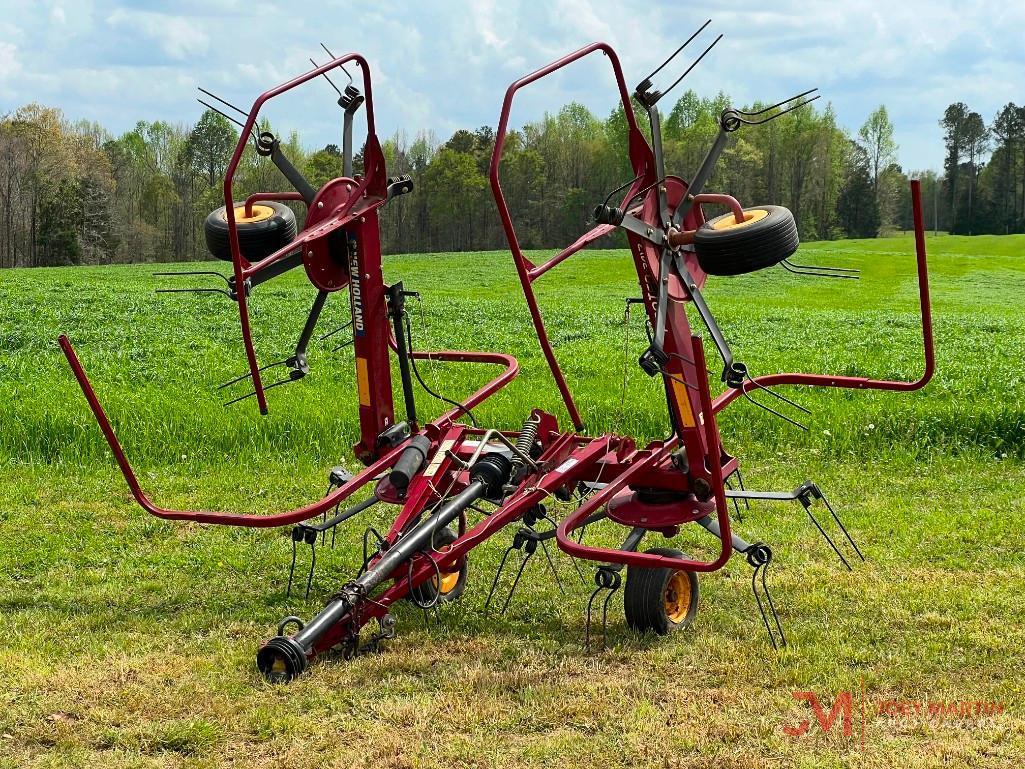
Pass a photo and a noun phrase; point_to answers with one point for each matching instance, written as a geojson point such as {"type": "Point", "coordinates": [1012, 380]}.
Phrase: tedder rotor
{"type": "Point", "coordinates": [454, 485]}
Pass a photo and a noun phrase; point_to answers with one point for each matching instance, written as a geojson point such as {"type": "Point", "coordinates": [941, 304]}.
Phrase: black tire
{"type": "Point", "coordinates": [273, 227]}
{"type": "Point", "coordinates": [425, 593]}
{"type": "Point", "coordinates": [767, 238]}
{"type": "Point", "coordinates": [647, 595]}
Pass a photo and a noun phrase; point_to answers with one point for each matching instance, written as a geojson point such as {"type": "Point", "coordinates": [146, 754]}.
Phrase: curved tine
{"type": "Point", "coordinates": [498, 574]}
{"type": "Point", "coordinates": [340, 66]}
{"type": "Point", "coordinates": [330, 334]}
{"type": "Point", "coordinates": [783, 398]}
{"type": "Point", "coordinates": [761, 609]}
{"type": "Point", "coordinates": [225, 102]}
{"type": "Point", "coordinates": [800, 269]}
{"type": "Point", "coordinates": [193, 272]}
{"type": "Point", "coordinates": [516, 581]}
{"type": "Point", "coordinates": [192, 291]}
{"type": "Point", "coordinates": [818, 267]}
{"type": "Point", "coordinates": [677, 51]}
{"type": "Point", "coordinates": [324, 74]}
{"type": "Point", "coordinates": [640, 193]}
{"type": "Point", "coordinates": [774, 106]}
{"type": "Point", "coordinates": [252, 133]}
{"type": "Point", "coordinates": [749, 399]}
{"type": "Point", "coordinates": [249, 374]}
{"type": "Point", "coordinates": [620, 188]}
{"type": "Point", "coordinates": [271, 386]}
{"type": "Point", "coordinates": [692, 66]}
{"type": "Point", "coordinates": [782, 112]}
{"type": "Point", "coordinates": [772, 606]}
{"type": "Point", "coordinates": [342, 345]}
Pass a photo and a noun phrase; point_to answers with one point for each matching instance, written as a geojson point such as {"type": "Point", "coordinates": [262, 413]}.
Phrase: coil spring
{"type": "Point", "coordinates": [528, 437]}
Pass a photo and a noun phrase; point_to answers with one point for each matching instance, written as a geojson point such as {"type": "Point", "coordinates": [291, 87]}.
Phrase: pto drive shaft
{"type": "Point", "coordinates": [283, 658]}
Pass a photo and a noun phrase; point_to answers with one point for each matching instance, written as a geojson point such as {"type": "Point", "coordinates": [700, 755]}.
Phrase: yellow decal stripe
{"type": "Point", "coordinates": [362, 381]}
{"type": "Point", "coordinates": [683, 403]}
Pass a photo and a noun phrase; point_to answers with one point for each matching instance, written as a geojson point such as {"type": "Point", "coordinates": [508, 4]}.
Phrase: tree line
{"type": "Point", "coordinates": [72, 193]}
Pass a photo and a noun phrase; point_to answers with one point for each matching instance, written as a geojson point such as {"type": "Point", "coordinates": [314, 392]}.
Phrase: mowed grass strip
{"type": "Point", "coordinates": [130, 641]}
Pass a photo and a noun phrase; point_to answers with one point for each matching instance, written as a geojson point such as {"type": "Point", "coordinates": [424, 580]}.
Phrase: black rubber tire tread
{"type": "Point", "coordinates": [643, 602]}
{"type": "Point", "coordinates": [424, 593]}
{"type": "Point", "coordinates": [255, 239]}
{"type": "Point", "coordinates": [754, 247]}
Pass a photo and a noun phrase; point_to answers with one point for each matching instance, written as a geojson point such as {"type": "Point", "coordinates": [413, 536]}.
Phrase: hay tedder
{"type": "Point", "coordinates": [453, 483]}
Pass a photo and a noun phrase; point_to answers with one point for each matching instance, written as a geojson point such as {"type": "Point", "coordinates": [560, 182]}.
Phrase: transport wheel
{"type": "Point", "coordinates": [271, 226]}
{"type": "Point", "coordinates": [660, 599]}
{"type": "Point", "coordinates": [767, 236]}
{"type": "Point", "coordinates": [453, 583]}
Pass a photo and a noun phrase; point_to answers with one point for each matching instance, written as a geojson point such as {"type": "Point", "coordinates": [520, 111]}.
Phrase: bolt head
{"type": "Point", "coordinates": [320, 204]}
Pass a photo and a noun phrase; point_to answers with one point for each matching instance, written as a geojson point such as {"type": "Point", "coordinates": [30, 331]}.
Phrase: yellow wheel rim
{"type": "Point", "coordinates": [260, 214]}
{"type": "Point", "coordinates": [676, 598]}
{"type": "Point", "coordinates": [729, 221]}
{"type": "Point", "coordinates": [449, 580]}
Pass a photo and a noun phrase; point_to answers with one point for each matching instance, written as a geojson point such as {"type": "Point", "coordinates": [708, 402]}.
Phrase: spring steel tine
{"type": "Point", "coordinates": [771, 410]}
{"type": "Point", "coordinates": [340, 66]}
{"type": "Point", "coordinates": [498, 573]}
{"type": "Point", "coordinates": [677, 51]}
{"type": "Point", "coordinates": [587, 624]}
{"type": "Point", "coordinates": [692, 66]}
{"type": "Point", "coordinates": [777, 395]}
{"type": "Point", "coordinates": [783, 111]}
{"type": "Point", "coordinates": [772, 606]}
{"type": "Point", "coordinates": [313, 565]}
{"type": "Point", "coordinates": [291, 569]}
{"type": "Point", "coordinates": [551, 565]}
{"type": "Point", "coordinates": [225, 102]}
{"type": "Point", "coordinates": [818, 493]}
{"type": "Point", "coordinates": [605, 615]}
{"type": "Point", "coordinates": [829, 540]}
{"type": "Point", "coordinates": [800, 269]}
{"type": "Point", "coordinates": [519, 573]}
{"type": "Point", "coordinates": [192, 272]}
{"type": "Point", "coordinates": [819, 272]}
{"type": "Point", "coordinates": [250, 395]}
{"type": "Point", "coordinates": [819, 267]}
{"type": "Point", "coordinates": [777, 104]}
{"type": "Point", "coordinates": [324, 74]}
{"type": "Point", "coordinates": [330, 334]}
{"type": "Point", "coordinates": [192, 291]}
{"type": "Point", "coordinates": [343, 345]}
{"type": "Point", "coordinates": [239, 378]}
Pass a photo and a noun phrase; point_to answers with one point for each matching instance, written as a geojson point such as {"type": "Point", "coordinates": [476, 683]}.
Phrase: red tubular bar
{"type": "Point", "coordinates": [722, 200]}
{"type": "Point", "coordinates": [563, 534]}
{"type": "Point", "coordinates": [239, 264]}
{"type": "Point", "coordinates": [300, 513]}
{"type": "Point", "coordinates": [201, 516]}
{"type": "Point", "coordinates": [277, 196]}
{"type": "Point", "coordinates": [863, 383]}
{"type": "Point", "coordinates": [640, 155]}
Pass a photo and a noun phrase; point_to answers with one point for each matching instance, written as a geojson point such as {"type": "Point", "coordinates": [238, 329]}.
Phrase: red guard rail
{"type": "Point", "coordinates": [863, 383]}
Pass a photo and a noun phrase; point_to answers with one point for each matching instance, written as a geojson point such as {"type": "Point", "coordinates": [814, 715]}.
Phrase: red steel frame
{"type": "Point", "coordinates": [567, 458]}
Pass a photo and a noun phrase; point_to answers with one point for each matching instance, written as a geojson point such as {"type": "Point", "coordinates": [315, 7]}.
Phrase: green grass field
{"type": "Point", "coordinates": [130, 641]}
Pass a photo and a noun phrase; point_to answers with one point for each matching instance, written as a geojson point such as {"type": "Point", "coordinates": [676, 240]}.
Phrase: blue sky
{"type": "Point", "coordinates": [445, 65]}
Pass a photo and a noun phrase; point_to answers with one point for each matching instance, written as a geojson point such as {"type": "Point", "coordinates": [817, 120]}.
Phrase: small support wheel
{"type": "Point", "coordinates": [660, 599]}
{"type": "Point", "coordinates": [453, 583]}
{"type": "Point", "coordinates": [766, 237]}
{"type": "Point", "coordinates": [271, 226]}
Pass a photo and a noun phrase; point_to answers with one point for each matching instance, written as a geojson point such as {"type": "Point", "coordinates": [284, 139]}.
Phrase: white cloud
{"type": "Point", "coordinates": [442, 65]}
{"type": "Point", "coordinates": [177, 36]}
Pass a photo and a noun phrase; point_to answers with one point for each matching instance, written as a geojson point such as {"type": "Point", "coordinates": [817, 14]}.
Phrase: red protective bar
{"type": "Point", "coordinates": [722, 200]}
{"type": "Point", "coordinates": [863, 383]}
{"type": "Point", "coordinates": [512, 369]}
{"type": "Point", "coordinates": [640, 156]}
{"type": "Point", "coordinates": [277, 196]}
{"type": "Point", "coordinates": [238, 262]}
{"type": "Point", "coordinates": [563, 534]}
{"type": "Point", "coordinates": [201, 516]}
